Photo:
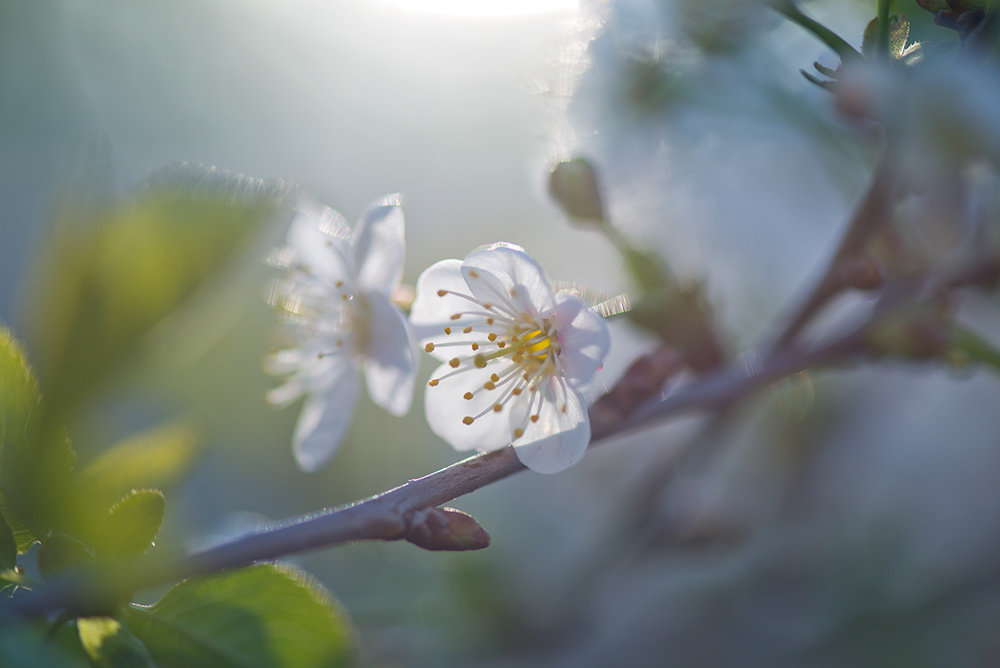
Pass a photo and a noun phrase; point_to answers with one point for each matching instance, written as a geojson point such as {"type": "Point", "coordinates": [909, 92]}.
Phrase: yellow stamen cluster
{"type": "Point", "coordinates": [521, 349]}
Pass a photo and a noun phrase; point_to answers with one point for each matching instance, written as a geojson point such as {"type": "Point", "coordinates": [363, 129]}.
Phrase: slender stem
{"type": "Point", "coordinates": [840, 45]}
{"type": "Point", "coordinates": [873, 212]}
{"type": "Point", "coordinates": [386, 516]}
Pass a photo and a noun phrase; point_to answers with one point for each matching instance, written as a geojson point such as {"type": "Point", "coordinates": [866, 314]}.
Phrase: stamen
{"type": "Point", "coordinates": [468, 419]}
{"type": "Point", "coordinates": [433, 382]}
{"type": "Point", "coordinates": [429, 348]}
{"type": "Point", "coordinates": [442, 293]}
{"type": "Point", "coordinates": [467, 396]}
{"type": "Point", "coordinates": [497, 408]}
{"type": "Point", "coordinates": [454, 362]}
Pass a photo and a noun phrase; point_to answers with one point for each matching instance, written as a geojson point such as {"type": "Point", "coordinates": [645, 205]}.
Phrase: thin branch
{"type": "Point", "coordinates": [388, 516]}
{"type": "Point", "coordinates": [873, 212]}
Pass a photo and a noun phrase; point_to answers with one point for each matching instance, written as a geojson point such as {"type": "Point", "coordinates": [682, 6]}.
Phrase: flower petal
{"type": "Point", "coordinates": [318, 237]}
{"type": "Point", "coordinates": [431, 311]}
{"type": "Point", "coordinates": [378, 246]}
{"type": "Point", "coordinates": [561, 435]}
{"type": "Point", "coordinates": [445, 409]}
{"type": "Point", "coordinates": [324, 420]}
{"type": "Point", "coordinates": [390, 367]}
{"type": "Point", "coordinates": [510, 266]}
{"type": "Point", "coordinates": [584, 339]}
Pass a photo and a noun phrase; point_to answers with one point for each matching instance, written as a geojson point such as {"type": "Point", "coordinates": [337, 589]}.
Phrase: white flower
{"type": "Point", "coordinates": [337, 292]}
{"type": "Point", "coordinates": [515, 355]}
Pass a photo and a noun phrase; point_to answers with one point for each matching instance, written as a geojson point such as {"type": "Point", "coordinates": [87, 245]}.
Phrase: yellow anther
{"type": "Point", "coordinates": [468, 419]}
{"type": "Point", "coordinates": [454, 362]}
{"type": "Point", "coordinates": [516, 391]}
{"type": "Point", "coordinates": [429, 348]}
{"type": "Point", "coordinates": [489, 385]}
{"type": "Point", "coordinates": [491, 336]}
{"type": "Point", "coordinates": [497, 408]}
{"type": "Point", "coordinates": [467, 329]}
{"type": "Point", "coordinates": [479, 361]}
{"type": "Point", "coordinates": [475, 346]}
{"type": "Point", "coordinates": [455, 316]}
{"type": "Point", "coordinates": [495, 378]}
{"type": "Point", "coordinates": [518, 432]}
{"type": "Point", "coordinates": [442, 293]}
{"type": "Point", "coordinates": [534, 418]}
{"type": "Point", "coordinates": [467, 395]}
{"type": "Point", "coordinates": [433, 382]}
{"type": "Point", "coordinates": [447, 330]}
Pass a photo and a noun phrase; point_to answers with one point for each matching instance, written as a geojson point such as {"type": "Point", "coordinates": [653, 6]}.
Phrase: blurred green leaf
{"type": "Point", "coordinates": [8, 545]}
{"type": "Point", "coordinates": [30, 645]}
{"type": "Point", "coordinates": [36, 459]}
{"type": "Point", "coordinates": [967, 346]}
{"type": "Point", "coordinates": [60, 552]}
{"type": "Point", "coordinates": [109, 644]}
{"type": "Point", "coordinates": [131, 524]}
{"type": "Point", "coordinates": [106, 280]}
{"type": "Point", "coordinates": [264, 615]}
{"type": "Point", "coordinates": [156, 458]}
{"type": "Point", "coordinates": [869, 39]}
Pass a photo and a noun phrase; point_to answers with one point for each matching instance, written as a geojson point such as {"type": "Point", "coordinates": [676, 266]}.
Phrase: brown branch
{"type": "Point", "coordinates": [398, 513]}
{"type": "Point", "coordinates": [872, 213]}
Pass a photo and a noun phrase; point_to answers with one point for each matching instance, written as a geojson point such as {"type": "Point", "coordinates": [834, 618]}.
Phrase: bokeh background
{"type": "Point", "coordinates": [845, 518]}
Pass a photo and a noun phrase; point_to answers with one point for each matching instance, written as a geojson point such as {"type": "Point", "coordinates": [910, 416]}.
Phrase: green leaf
{"type": "Point", "coordinates": [131, 524]}
{"type": "Point", "coordinates": [28, 645]}
{"type": "Point", "coordinates": [8, 545]}
{"type": "Point", "coordinates": [966, 346]}
{"type": "Point", "coordinates": [104, 281]}
{"type": "Point", "coordinates": [869, 40]}
{"type": "Point", "coordinates": [899, 32]}
{"type": "Point", "coordinates": [264, 615]}
{"type": "Point", "coordinates": [60, 552]}
{"type": "Point", "coordinates": [156, 458]}
{"type": "Point", "coordinates": [109, 644]}
{"type": "Point", "coordinates": [36, 460]}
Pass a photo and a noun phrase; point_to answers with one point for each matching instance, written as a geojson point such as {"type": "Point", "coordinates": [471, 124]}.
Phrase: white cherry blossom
{"type": "Point", "coordinates": [515, 357]}
{"type": "Point", "coordinates": [336, 291]}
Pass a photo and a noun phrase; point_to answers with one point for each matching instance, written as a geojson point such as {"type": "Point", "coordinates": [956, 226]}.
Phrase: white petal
{"type": "Point", "coordinates": [445, 408]}
{"type": "Point", "coordinates": [511, 267]}
{"type": "Point", "coordinates": [560, 437]}
{"type": "Point", "coordinates": [584, 338]}
{"type": "Point", "coordinates": [432, 312]}
{"type": "Point", "coordinates": [316, 235]}
{"type": "Point", "coordinates": [285, 394]}
{"type": "Point", "coordinates": [379, 247]}
{"type": "Point", "coordinates": [324, 420]}
{"type": "Point", "coordinates": [283, 361]}
{"type": "Point", "coordinates": [390, 366]}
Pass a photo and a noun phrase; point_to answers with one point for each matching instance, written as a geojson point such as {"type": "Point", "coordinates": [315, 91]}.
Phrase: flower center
{"type": "Point", "coordinates": [515, 352]}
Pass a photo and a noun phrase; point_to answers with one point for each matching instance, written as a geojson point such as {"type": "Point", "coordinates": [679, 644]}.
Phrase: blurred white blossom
{"type": "Point", "coordinates": [337, 292]}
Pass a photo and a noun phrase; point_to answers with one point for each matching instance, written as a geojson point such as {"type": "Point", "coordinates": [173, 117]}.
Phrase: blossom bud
{"type": "Point", "coordinates": [445, 529]}
{"type": "Point", "coordinates": [574, 186]}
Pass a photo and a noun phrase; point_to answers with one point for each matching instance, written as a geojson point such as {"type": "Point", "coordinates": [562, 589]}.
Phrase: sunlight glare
{"type": "Point", "coordinates": [486, 8]}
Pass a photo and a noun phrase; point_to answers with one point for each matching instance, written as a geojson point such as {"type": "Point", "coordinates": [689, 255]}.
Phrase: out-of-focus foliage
{"type": "Point", "coordinates": [111, 272]}
{"type": "Point", "coordinates": [259, 616]}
